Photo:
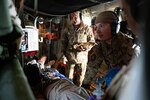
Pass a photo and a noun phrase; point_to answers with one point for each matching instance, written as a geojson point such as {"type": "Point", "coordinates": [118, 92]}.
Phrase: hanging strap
{"type": "Point", "coordinates": [36, 7]}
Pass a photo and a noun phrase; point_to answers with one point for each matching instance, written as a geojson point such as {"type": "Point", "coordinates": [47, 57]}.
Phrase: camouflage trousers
{"type": "Point", "coordinates": [76, 72]}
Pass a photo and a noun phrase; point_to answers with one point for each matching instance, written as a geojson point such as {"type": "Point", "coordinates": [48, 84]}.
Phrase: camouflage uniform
{"type": "Point", "coordinates": [70, 38]}
{"type": "Point", "coordinates": [105, 56]}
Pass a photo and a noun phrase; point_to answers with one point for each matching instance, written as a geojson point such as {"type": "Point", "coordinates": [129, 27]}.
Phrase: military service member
{"type": "Point", "coordinates": [132, 83]}
{"type": "Point", "coordinates": [77, 40]}
{"type": "Point", "coordinates": [113, 50]}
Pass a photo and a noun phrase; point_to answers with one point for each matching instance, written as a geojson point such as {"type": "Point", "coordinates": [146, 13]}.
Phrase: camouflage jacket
{"type": "Point", "coordinates": [71, 38]}
{"type": "Point", "coordinates": [104, 56]}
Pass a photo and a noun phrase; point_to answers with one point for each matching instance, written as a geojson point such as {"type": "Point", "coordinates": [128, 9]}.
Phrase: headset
{"type": "Point", "coordinates": [115, 24]}
{"type": "Point", "coordinates": [80, 15]}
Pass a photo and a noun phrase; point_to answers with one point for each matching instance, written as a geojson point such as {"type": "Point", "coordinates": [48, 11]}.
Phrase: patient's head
{"type": "Point", "coordinates": [33, 74]}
